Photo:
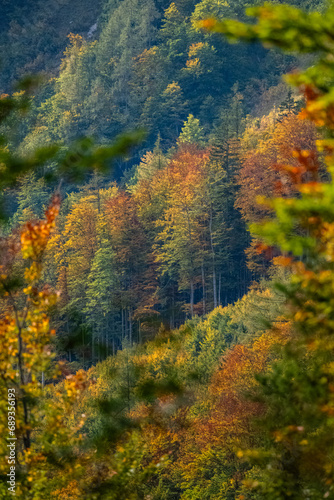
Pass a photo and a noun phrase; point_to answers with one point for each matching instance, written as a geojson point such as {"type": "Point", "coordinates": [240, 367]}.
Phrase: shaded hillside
{"type": "Point", "coordinates": [33, 34]}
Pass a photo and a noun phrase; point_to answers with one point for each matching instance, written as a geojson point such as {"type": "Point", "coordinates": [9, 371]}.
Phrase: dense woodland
{"type": "Point", "coordinates": [166, 249]}
{"type": "Point", "coordinates": [162, 237]}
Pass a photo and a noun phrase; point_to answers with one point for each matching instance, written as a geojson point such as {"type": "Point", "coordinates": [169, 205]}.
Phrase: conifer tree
{"type": "Point", "coordinates": [191, 132]}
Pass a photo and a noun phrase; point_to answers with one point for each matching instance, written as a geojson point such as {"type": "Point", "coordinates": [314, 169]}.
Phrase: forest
{"type": "Point", "coordinates": [166, 250]}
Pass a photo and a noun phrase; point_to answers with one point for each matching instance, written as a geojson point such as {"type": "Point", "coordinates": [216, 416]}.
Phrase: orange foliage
{"type": "Point", "coordinates": [262, 172]}
{"type": "Point", "coordinates": [69, 492]}
{"type": "Point", "coordinates": [273, 167]}
{"type": "Point", "coordinates": [232, 410]}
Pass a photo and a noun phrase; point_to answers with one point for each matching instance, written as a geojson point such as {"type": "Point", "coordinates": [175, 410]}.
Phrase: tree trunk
{"type": "Point", "coordinates": [122, 313]}
{"type": "Point", "coordinates": [130, 327]}
{"type": "Point", "coordinates": [203, 288]}
{"type": "Point", "coordinates": [214, 284]}
{"type": "Point", "coordinates": [192, 298]}
{"type": "Point", "coordinates": [83, 348]}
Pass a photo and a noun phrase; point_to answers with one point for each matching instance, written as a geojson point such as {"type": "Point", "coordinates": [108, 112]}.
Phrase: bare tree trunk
{"type": "Point", "coordinates": [192, 298]}
{"type": "Point", "coordinates": [173, 312]}
{"type": "Point", "coordinates": [130, 327]}
{"type": "Point", "coordinates": [98, 347]}
{"type": "Point", "coordinates": [214, 284]}
{"type": "Point", "coordinates": [83, 348]}
{"type": "Point", "coordinates": [26, 435]}
{"type": "Point", "coordinates": [107, 341]}
{"type": "Point", "coordinates": [122, 313]}
{"type": "Point", "coordinates": [192, 266]}
{"type": "Point", "coordinates": [214, 287]}
{"type": "Point", "coordinates": [128, 379]}
{"type": "Point", "coordinates": [203, 288]}
{"type": "Point", "coordinates": [172, 318]}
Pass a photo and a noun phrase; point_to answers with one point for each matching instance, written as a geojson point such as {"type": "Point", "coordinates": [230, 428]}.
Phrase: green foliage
{"type": "Point", "coordinates": [70, 163]}
{"type": "Point", "coordinates": [33, 35]}
{"type": "Point", "coordinates": [144, 68]}
{"type": "Point", "coordinates": [32, 197]}
{"type": "Point", "coordinates": [169, 419]}
{"type": "Point", "coordinates": [191, 131]}
{"type": "Point", "coordinates": [297, 391]}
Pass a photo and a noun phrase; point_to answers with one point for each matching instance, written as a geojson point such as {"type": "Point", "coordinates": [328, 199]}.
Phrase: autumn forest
{"type": "Point", "coordinates": [166, 250]}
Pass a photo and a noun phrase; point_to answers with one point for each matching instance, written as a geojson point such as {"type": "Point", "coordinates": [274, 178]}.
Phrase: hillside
{"type": "Point", "coordinates": [190, 436]}
{"type": "Point", "coordinates": [166, 250]}
{"type": "Point", "coordinates": [33, 35]}
{"type": "Point", "coordinates": [147, 65]}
